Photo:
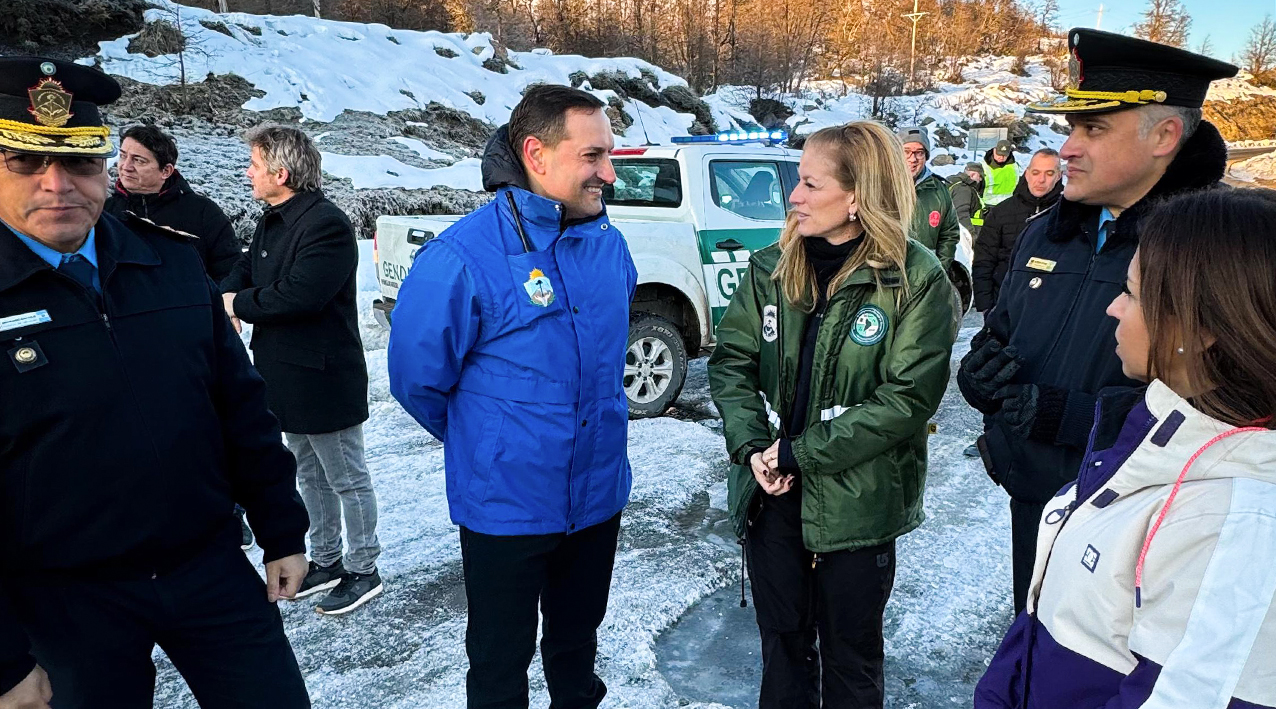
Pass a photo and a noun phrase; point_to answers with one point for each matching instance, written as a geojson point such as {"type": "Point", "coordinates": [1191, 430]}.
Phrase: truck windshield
{"type": "Point", "coordinates": [645, 182]}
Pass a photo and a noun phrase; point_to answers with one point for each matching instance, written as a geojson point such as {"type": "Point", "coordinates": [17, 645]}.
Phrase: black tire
{"type": "Point", "coordinates": [655, 365]}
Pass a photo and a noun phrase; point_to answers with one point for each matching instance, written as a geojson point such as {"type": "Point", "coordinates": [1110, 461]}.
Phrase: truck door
{"type": "Point", "coordinates": [746, 201]}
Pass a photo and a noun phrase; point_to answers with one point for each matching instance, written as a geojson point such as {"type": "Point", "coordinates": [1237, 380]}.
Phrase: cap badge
{"type": "Point", "coordinates": [1075, 75]}
{"type": "Point", "coordinates": [50, 103]}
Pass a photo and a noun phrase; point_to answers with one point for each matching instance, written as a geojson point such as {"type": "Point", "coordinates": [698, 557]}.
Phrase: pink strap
{"type": "Point", "coordinates": [1165, 509]}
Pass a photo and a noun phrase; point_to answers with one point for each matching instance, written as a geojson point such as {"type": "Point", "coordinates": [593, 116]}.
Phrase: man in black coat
{"type": "Point", "coordinates": [296, 285]}
{"type": "Point", "coordinates": [131, 422]}
{"type": "Point", "coordinates": [1038, 189]}
{"type": "Point", "coordinates": [1048, 346]}
{"type": "Point", "coordinates": [151, 187]}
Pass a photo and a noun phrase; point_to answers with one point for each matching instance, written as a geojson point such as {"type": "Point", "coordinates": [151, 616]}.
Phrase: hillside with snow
{"type": "Point", "coordinates": [401, 116]}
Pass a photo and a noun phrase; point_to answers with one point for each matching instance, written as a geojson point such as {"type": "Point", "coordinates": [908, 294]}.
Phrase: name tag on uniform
{"type": "Point", "coordinates": [1041, 264]}
{"type": "Point", "coordinates": [13, 322]}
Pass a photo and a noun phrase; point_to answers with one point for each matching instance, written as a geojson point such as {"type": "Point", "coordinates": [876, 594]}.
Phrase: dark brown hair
{"type": "Point", "coordinates": [163, 147]}
{"type": "Point", "coordinates": [1207, 271]}
{"type": "Point", "coordinates": [543, 114]}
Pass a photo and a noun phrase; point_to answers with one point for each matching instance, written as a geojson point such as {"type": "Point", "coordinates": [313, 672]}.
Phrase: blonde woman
{"type": "Point", "coordinates": [831, 358]}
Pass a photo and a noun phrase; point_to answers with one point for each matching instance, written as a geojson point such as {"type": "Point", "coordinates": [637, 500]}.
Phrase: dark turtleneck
{"type": "Point", "coordinates": [826, 260]}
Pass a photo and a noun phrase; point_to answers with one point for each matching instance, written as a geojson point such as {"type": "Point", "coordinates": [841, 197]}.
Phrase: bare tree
{"type": "Point", "coordinates": [1048, 15]}
{"type": "Point", "coordinates": [1259, 54]}
{"type": "Point", "coordinates": [1165, 22]}
{"type": "Point", "coordinates": [1205, 46]}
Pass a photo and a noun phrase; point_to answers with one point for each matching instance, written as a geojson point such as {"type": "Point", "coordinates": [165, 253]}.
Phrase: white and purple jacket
{"type": "Point", "coordinates": [1155, 571]}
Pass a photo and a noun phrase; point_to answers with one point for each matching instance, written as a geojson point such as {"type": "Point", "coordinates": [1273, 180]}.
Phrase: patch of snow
{"type": "Point", "coordinates": [1237, 88]}
{"type": "Point", "coordinates": [375, 171]}
{"type": "Point", "coordinates": [420, 148]}
{"type": "Point", "coordinates": [1255, 169]}
{"type": "Point", "coordinates": [324, 67]}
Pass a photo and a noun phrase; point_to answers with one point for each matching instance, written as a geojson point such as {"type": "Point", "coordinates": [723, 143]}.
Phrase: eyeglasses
{"type": "Point", "coordinates": [24, 164]}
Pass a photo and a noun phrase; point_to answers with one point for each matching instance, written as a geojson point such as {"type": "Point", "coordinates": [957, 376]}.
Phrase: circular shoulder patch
{"type": "Point", "coordinates": [934, 219]}
{"type": "Point", "coordinates": [870, 326]}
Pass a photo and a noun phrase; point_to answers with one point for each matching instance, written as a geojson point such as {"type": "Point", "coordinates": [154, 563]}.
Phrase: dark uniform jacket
{"type": "Point", "coordinates": [1052, 308]}
{"type": "Point", "coordinates": [179, 207]}
{"type": "Point", "coordinates": [997, 237]}
{"type": "Point", "coordinates": [968, 200]}
{"type": "Point", "coordinates": [129, 432]}
{"type": "Point", "coordinates": [296, 284]}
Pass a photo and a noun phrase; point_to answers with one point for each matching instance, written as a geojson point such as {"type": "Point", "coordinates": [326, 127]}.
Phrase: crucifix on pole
{"type": "Point", "coordinates": [912, 61]}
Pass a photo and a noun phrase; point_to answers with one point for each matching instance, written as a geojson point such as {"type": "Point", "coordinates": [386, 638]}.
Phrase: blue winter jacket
{"type": "Point", "coordinates": [514, 358]}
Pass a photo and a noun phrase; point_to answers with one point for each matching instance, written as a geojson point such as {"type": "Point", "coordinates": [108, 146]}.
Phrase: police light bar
{"type": "Point", "coordinates": [734, 138]}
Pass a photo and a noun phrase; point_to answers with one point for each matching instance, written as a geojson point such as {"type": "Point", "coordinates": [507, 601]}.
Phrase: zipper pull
{"type": "Point", "coordinates": [106, 321]}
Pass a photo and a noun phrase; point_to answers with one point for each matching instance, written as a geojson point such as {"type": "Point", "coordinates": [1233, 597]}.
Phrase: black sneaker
{"type": "Point", "coordinates": [246, 534]}
{"type": "Point", "coordinates": [320, 578]}
{"type": "Point", "coordinates": [353, 591]}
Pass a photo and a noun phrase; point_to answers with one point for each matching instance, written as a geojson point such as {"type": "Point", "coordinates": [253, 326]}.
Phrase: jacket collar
{"type": "Point", "coordinates": [1022, 192]}
{"type": "Point", "coordinates": [296, 206]}
{"type": "Point", "coordinates": [542, 218]}
{"type": "Point", "coordinates": [116, 244]}
{"type": "Point", "coordinates": [1201, 163]}
{"type": "Point", "coordinates": [1144, 437]}
{"type": "Point", "coordinates": [174, 186]}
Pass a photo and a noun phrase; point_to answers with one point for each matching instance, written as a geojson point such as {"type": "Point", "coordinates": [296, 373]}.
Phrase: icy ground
{"type": "Point", "coordinates": [406, 649]}
{"type": "Point", "coordinates": [1260, 169]}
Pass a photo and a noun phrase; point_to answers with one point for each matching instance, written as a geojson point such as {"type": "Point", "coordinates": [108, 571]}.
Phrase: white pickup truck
{"type": "Point", "coordinates": [692, 214]}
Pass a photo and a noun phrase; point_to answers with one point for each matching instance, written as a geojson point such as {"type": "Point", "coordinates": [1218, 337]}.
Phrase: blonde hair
{"type": "Point", "coordinates": [867, 159]}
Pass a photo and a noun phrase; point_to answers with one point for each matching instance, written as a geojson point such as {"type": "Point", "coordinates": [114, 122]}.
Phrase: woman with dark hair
{"type": "Point", "coordinates": [831, 358]}
{"type": "Point", "coordinates": [1156, 569]}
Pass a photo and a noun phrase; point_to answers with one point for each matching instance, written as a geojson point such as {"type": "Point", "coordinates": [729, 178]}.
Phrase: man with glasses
{"type": "Point", "coordinates": [131, 422]}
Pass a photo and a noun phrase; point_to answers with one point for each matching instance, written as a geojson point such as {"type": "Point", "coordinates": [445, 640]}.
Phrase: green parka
{"type": "Point", "coordinates": [935, 222]}
{"type": "Point", "coordinates": [879, 371]}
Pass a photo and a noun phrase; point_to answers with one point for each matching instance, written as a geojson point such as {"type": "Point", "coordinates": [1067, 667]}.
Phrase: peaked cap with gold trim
{"type": "Point", "coordinates": [1111, 72]}
{"type": "Point", "coordinates": [50, 107]}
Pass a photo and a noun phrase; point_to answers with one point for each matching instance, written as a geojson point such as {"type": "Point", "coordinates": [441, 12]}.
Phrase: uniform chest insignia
{"type": "Point", "coordinates": [539, 289]}
{"type": "Point", "coordinates": [770, 331]}
{"type": "Point", "coordinates": [27, 356]}
{"type": "Point", "coordinates": [1041, 264]}
{"type": "Point", "coordinates": [870, 326]}
{"type": "Point", "coordinates": [50, 103]}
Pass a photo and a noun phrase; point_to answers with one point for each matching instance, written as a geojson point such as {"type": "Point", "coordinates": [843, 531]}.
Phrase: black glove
{"type": "Point", "coordinates": [1047, 414]}
{"type": "Point", "coordinates": [985, 370]}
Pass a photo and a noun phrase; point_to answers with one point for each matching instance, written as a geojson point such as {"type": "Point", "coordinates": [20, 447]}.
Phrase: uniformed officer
{"type": "Point", "coordinates": [1137, 136]}
{"type": "Point", "coordinates": [131, 422]}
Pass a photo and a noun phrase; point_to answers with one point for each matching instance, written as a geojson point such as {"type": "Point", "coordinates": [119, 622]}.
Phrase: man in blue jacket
{"type": "Point", "coordinates": [509, 346]}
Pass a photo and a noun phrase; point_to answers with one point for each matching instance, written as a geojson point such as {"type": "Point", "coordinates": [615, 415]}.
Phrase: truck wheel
{"type": "Point", "coordinates": [655, 365]}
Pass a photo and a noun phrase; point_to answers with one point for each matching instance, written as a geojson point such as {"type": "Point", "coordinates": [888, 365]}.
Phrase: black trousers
{"type": "Point", "coordinates": [506, 579]}
{"type": "Point", "coordinates": [1025, 518]}
{"type": "Point", "coordinates": [837, 598]}
{"type": "Point", "coordinates": [209, 614]}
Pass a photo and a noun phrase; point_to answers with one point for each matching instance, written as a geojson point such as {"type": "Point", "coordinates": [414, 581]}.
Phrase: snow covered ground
{"type": "Point", "coordinates": [1261, 168]}
{"type": "Point", "coordinates": [406, 649]}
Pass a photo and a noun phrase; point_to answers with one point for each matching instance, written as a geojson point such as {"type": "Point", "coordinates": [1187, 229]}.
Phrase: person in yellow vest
{"type": "Point", "coordinates": [1001, 173]}
{"type": "Point", "coordinates": [966, 189]}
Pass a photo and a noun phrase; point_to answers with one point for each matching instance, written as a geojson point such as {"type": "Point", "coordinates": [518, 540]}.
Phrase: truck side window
{"type": "Point", "coordinates": [748, 188]}
{"type": "Point", "coordinates": [645, 182]}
